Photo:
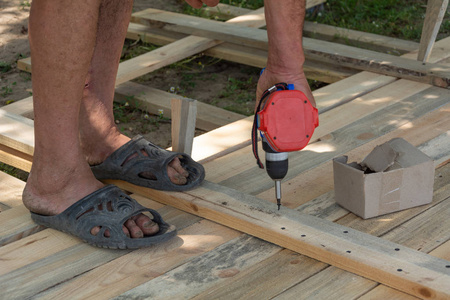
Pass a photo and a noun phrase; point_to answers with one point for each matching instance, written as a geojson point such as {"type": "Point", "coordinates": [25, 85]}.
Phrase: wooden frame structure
{"type": "Point", "coordinates": [315, 248]}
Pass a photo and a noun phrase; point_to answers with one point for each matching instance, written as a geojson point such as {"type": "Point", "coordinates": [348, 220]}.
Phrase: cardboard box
{"type": "Point", "coordinates": [393, 177]}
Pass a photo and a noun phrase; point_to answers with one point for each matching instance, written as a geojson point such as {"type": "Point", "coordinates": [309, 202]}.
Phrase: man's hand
{"type": "Point", "coordinates": [268, 78]}
{"type": "Point", "coordinates": [199, 3]}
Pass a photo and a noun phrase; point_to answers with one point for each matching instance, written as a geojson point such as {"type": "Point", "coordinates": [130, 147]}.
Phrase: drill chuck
{"type": "Point", "coordinates": [276, 167]}
{"type": "Point", "coordinates": [276, 162]}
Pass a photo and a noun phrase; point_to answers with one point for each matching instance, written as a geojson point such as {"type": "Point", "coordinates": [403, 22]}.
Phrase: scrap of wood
{"type": "Point", "coordinates": [433, 18]}
{"type": "Point", "coordinates": [360, 59]}
{"type": "Point", "coordinates": [184, 112]}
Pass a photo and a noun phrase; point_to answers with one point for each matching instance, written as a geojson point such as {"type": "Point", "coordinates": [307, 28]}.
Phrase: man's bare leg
{"type": "Point", "coordinates": [285, 60]}
{"type": "Point", "coordinates": [62, 39]}
{"type": "Point", "coordinates": [98, 131]}
{"type": "Point", "coordinates": [99, 134]}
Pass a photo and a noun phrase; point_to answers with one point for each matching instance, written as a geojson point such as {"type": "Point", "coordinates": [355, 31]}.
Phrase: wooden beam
{"type": "Point", "coordinates": [433, 18]}
{"type": "Point", "coordinates": [358, 39]}
{"type": "Point", "coordinates": [184, 112]}
{"type": "Point", "coordinates": [438, 75]}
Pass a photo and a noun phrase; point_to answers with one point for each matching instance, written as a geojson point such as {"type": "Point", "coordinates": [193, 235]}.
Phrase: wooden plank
{"type": "Point", "coordinates": [10, 190]}
{"type": "Point", "coordinates": [16, 224]}
{"type": "Point", "coordinates": [227, 11]}
{"type": "Point", "coordinates": [22, 107]}
{"type": "Point", "coordinates": [329, 33]}
{"type": "Point", "coordinates": [433, 18]}
{"type": "Point", "coordinates": [33, 248]}
{"type": "Point", "coordinates": [90, 261]}
{"type": "Point", "coordinates": [360, 59]}
{"type": "Point", "coordinates": [199, 242]}
{"type": "Point", "coordinates": [74, 260]}
{"type": "Point", "coordinates": [360, 39]}
{"type": "Point", "coordinates": [152, 100]}
{"type": "Point", "coordinates": [184, 113]}
{"type": "Point", "coordinates": [412, 234]}
{"type": "Point", "coordinates": [15, 158]}
{"type": "Point", "coordinates": [15, 132]}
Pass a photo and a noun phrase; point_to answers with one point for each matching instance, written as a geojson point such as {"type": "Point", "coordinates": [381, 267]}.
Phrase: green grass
{"type": "Point", "coordinates": [7, 89]}
{"type": "Point", "coordinates": [399, 19]}
{"type": "Point", "coordinates": [4, 66]}
{"type": "Point", "coordinates": [22, 175]}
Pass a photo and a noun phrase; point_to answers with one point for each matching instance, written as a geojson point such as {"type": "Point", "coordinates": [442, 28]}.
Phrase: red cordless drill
{"type": "Point", "coordinates": [286, 120]}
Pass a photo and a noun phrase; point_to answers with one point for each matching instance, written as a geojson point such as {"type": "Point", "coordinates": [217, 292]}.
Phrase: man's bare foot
{"type": "Point", "coordinates": [51, 194]}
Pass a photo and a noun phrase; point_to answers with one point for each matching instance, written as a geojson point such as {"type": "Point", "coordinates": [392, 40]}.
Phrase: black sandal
{"type": "Point", "coordinates": [136, 169]}
{"type": "Point", "coordinates": [107, 208]}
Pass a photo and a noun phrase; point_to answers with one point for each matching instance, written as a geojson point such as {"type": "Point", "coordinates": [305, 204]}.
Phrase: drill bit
{"type": "Point", "coordinates": [278, 192]}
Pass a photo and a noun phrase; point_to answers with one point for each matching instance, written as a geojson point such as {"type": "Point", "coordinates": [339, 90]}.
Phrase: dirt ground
{"type": "Point", "coordinates": [224, 84]}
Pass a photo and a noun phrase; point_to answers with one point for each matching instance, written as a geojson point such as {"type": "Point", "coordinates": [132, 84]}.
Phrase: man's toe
{"type": "Point", "coordinates": [134, 230]}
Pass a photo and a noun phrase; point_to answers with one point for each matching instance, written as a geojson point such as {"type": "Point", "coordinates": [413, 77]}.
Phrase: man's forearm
{"type": "Point", "coordinates": [284, 20]}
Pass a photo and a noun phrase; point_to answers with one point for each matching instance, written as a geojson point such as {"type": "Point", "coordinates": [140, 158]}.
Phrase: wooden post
{"type": "Point", "coordinates": [184, 113]}
{"type": "Point", "coordinates": [433, 19]}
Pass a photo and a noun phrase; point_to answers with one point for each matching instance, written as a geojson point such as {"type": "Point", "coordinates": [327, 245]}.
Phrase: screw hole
{"type": "Point", "coordinates": [447, 266]}
{"type": "Point", "coordinates": [303, 235]}
{"type": "Point", "coordinates": [345, 231]}
{"type": "Point", "coordinates": [397, 249]}
{"type": "Point", "coordinates": [283, 228]}
{"type": "Point", "coordinates": [348, 251]}
{"type": "Point", "coordinates": [399, 270]}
